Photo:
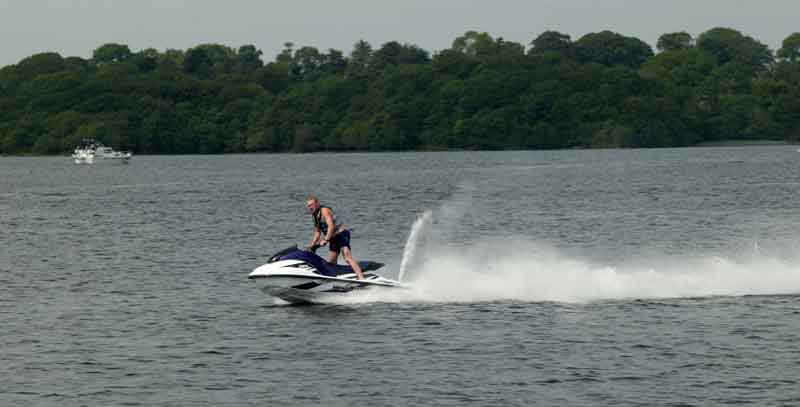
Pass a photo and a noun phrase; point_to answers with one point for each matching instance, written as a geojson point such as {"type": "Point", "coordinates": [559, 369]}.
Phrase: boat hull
{"type": "Point", "coordinates": [88, 159]}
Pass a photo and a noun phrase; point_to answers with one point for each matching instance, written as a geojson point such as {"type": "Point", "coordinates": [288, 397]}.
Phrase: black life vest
{"type": "Point", "coordinates": [319, 221]}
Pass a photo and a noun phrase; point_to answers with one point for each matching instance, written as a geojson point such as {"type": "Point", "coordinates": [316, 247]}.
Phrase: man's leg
{"type": "Point", "coordinates": [333, 257]}
{"type": "Point", "coordinates": [348, 257]}
{"type": "Point", "coordinates": [335, 247]}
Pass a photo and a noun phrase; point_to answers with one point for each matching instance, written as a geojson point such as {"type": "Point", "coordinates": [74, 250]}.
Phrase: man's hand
{"type": "Point", "coordinates": [323, 242]}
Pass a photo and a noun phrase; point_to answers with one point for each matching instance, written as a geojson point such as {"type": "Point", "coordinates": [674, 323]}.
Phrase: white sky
{"type": "Point", "coordinates": [77, 27]}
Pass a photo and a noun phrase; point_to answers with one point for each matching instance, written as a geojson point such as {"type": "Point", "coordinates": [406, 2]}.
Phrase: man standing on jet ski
{"type": "Point", "coordinates": [335, 235]}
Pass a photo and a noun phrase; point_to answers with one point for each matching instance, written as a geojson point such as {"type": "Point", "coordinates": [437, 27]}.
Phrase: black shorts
{"type": "Point", "coordinates": [342, 239]}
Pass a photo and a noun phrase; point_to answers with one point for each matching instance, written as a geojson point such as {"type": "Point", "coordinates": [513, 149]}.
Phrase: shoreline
{"type": "Point", "coordinates": [719, 143]}
{"type": "Point", "coordinates": [743, 143]}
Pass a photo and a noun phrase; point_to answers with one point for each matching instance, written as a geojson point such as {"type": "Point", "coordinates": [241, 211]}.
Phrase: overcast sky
{"type": "Point", "coordinates": [77, 27]}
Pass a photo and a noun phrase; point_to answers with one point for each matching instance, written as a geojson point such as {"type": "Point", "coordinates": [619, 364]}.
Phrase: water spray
{"type": "Point", "coordinates": [410, 248]}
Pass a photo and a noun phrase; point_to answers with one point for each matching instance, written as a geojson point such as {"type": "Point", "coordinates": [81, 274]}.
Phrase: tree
{"type": "Point", "coordinates": [729, 45]}
{"type": "Point", "coordinates": [681, 67]}
{"type": "Point", "coordinates": [146, 60]}
{"type": "Point", "coordinates": [273, 77]}
{"type": "Point", "coordinates": [473, 43]}
{"type": "Point", "coordinates": [261, 139]}
{"type": "Point", "coordinates": [609, 48]}
{"type": "Point", "coordinates": [171, 58]}
{"type": "Point", "coordinates": [333, 62]}
{"type": "Point", "coordinates": [453, 63]}
{"type": "Point", "coordinates": [63, 127]}
{"type": "Point", "coordinates": [303, 138]}
{"type": "Point", "coordinates": [306, 63]}
{"type": "Point", "coordinates": [791, 48]}
{"type": "Point", "coordinates": [222, 57]}
{"type": "Point", "coordinates": [675, 41]}
{"type": "Point", "coordinates": [39, 64]}
{"type": "Point", "coordinates": [494, 54]}
{"type": "Point", "coordinates": [551, 41]}
{"type": "Point", "coordinates": [198, 62]}
{"type": "Point", "coordinates": [286, 55]}
{"type": "Point", "coordinates": [248, 59]}
{"type": "Point", "coordinates": [76, 64]}
{"type": "Point", "coordinates": [360, 57]}
{"type": "Point", "coordinates": [110, 53]}
{"type": "Point", "coordinates": [387, 55]}
{"type": "Point", "coordinates": [393, 53]}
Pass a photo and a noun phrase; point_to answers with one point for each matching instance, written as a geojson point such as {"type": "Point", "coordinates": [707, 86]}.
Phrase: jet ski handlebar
{"type": "Point", "coordinates": [293, 248]}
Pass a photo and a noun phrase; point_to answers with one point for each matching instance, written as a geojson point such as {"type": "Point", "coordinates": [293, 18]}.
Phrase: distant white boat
{"type": "Point", "coordinates": [92, 151]}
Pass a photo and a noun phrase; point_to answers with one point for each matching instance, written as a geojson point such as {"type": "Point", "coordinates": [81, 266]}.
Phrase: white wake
{"type": "Point", "coordinates": [526, 271]}
{"type": "Point", "coordinates": [515, 268]}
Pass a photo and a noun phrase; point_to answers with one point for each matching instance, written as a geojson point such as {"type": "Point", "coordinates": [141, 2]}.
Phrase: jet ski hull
{"type": "Point", "coordinates": [303, 277]}
{"type": "Point", "coordinates": [322, 294]}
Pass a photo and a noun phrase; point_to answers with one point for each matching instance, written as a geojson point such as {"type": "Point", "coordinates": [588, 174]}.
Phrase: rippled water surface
{"type": "Point", "coordinates": [581, 278]}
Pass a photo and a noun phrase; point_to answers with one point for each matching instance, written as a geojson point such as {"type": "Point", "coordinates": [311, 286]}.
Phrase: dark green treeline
{"type": "Point", "coordinates": [603, 90]}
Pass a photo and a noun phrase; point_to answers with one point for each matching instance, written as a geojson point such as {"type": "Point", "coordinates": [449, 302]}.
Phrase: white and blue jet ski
{"type": "Point", "coordinates": [300, 276]}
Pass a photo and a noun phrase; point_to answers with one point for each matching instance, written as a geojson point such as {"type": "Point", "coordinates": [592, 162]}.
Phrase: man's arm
{"type": "Point", "coordinates": [314, 239]}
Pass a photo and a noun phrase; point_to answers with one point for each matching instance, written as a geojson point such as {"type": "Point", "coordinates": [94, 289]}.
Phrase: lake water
{"type": "Point", "coordinates": [580, 278]}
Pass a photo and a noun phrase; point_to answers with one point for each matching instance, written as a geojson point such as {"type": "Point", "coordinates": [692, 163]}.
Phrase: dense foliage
{"type": "Point", "coordinates": [603, 90]}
